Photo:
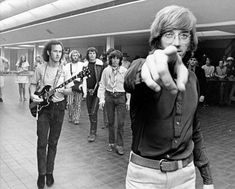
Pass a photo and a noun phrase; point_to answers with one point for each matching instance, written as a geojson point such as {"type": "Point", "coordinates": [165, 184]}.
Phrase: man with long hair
{"type": "Point", "coordinates": [96, 67]}
{"type": "Point", "coordinates": [167, 141]}
{"type": "Point", "coordinates": [112, 95]}
{"type": "Point", "coordinates": [79, 89]}
{"type": "Point", "coordinates": [50, 118]}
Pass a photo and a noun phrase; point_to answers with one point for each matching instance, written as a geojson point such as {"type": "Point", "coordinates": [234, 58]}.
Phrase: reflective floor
{"type": "Point", "coordinates": [83, 165]}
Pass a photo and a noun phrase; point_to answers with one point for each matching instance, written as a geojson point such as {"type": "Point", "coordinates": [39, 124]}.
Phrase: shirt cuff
{"type": "Point", "coordinates": [206, 174]}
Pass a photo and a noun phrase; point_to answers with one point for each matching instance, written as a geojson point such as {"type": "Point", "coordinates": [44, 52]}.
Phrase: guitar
{"type": "Point", "coordinates": [46, 93]}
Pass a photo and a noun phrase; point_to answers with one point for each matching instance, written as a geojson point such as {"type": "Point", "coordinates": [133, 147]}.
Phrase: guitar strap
{"type": "Point", "coordinates": [42, 84]}
{"type": "Point", "coordinates": [58, 74]}
{"type": "Point", "coordinates": [71, 69]}
{"type": "Point", "coordinates": [43, 79]}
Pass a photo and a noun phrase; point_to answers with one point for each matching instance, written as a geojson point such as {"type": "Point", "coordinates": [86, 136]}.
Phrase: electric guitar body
{"type": "Point", "coordinates": [46, 93]}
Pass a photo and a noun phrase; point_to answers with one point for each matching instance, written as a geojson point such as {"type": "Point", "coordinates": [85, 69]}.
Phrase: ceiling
{"type": "Point", "coordinates": [89, 22]}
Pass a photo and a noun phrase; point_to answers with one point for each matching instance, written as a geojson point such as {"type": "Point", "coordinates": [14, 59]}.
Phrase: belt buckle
{"type": "Point", "coordinates": [161, 166]}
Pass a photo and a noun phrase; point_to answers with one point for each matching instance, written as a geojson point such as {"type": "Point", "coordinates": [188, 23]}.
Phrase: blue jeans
{"type": "Point", "coordinates": [116, 102]}
{"type": "Point", "coordinates": [49, 125]}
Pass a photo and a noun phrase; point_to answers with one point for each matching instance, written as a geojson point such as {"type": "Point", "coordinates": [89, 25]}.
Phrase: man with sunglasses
{"type": "Point", "coordinates": [167, 141]}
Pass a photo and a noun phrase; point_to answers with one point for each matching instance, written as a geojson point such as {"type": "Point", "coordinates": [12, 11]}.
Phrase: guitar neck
{"type": "Point", "coordinates": [79, 75]}
{"type": "Point", "coordinates": [69, 80]}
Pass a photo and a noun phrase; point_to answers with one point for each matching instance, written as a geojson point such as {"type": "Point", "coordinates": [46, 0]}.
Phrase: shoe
{"type": "Point", "coordinates": [76, 122]}
{"type": "Point", "coordinates": [110, 147]}
{"type": "Point", "coordinates": [49, 180]}
{"type": "Point", "coordinates": [91, 138]}
{"type": "Point", "coordinates": [1, 100]}
{"type": "Point", "coordinates": [41, 181]}
{"type": "Point", "coordinates": [120, 150]}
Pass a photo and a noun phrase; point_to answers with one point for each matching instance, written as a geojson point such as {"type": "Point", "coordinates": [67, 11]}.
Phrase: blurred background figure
{"type": "Point", "coordinates": [4, 66]}
{"type": "Point", "coordinates": [38, 61]}
{"type": "Point", "coordinates": [22, 66]}
{"type": "Point", "coordinates": [79, 89]}
{"type": "Point", "coordinates": [230, 88]}
{"type": "Point", "coordinates": [125, 62]}
{"type": "Point", "coordinates": [221, 70]}
{"type": "Point", "coordinates": [208, 68]}
{"type": "Point", "coordinates": [221, 74]}
{"type": "Point", "coordinates": [230, 67]}
{"type": "Point", "coordinates": [65, 58]}
{"type": "Point", "coordinates": [209, 71]}
{"type": "Point", "coordinates": [193, 65]}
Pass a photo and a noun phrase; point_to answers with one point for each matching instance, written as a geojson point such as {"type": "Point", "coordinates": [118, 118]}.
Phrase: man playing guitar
{"type": "Point", "coordinates": [50, 118]}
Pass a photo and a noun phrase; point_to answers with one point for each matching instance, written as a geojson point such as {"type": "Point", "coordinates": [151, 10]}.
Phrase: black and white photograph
{"type": "Point", "coordinates": [117, 94]}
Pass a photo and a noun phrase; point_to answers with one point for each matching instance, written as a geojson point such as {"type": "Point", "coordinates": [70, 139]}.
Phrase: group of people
{"type": "Point", "coordinates": [103, 87]}
{"type": "Point", "coordinates": [224, 69]}
{"type": "Point", "coordinates": [208, 74]}
{"type": "Point", "coordinates": [167, 141]}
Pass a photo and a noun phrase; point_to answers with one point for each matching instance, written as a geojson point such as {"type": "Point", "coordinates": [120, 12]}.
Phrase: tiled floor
{"type": "Point", "coordinates": [83, 165]}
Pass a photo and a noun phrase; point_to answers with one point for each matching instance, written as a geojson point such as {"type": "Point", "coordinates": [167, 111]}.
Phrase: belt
{"type": "Point", "coordinates": [163, 165]}
{"type": "Point", "coordinates": [115, 94]}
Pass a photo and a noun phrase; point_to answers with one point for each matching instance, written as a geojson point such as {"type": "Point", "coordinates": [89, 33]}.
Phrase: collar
{"type": "Point", "coordinates": [98, 62]}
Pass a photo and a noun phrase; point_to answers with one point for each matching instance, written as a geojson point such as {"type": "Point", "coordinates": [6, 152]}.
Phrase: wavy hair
{"type": "Point", "coordinates": [115, 53]}
{"type": "Point", "coordinates": [47, 48]}
{"type": "Point", "coordinates": [74, 52]}
{"type": "Point", "coordinates": [91, 49]}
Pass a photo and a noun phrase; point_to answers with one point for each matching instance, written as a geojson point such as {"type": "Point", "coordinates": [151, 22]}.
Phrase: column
{"type": "Point", "coordinates": [35, 51]}
{"type": "Point", "coordinates": [109, 42]}
{"type": "Point", "coordinates": [2, 52]}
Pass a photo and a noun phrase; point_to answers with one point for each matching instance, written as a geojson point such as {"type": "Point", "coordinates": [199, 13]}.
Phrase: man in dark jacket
{"type": "Point", "coordinates": [96, 67]}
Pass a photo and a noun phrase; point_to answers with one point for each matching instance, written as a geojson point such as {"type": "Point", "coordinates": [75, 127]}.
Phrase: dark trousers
{"type": "Point", "coordinates": [49, 126]}
{"type": "Point", "coordinates": [116, 101]}
{"type": "Point", "coordinates": [92, 102]}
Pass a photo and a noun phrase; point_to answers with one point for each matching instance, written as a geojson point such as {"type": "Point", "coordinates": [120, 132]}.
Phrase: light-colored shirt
{"type": "Point", "coordinates": [74, 69]}
{"type": "Point", "coordinates": [221, 72]}
{"type": "Point", "coordinates": [45, 75]}
{"type": "Point", "coordinates": [24, 66]}
{"type": "Point", "coordinates": [209, 70]}
{"type": "Point", "coordinates": [112, 80]}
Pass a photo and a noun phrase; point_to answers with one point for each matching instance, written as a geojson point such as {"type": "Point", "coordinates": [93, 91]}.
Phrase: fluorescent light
{"type": "Point", "coordinates": [30, 46]}
{"type": "Point", "coordinates": [214, 33]}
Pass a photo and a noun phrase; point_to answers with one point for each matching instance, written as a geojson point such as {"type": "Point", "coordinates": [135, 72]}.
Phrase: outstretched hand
{"type": "Point", "coordinates": [155, 71]}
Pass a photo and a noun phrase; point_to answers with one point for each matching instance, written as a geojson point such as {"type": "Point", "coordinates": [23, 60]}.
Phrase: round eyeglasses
{"type": "Point", "coordinates": [170, 36]}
